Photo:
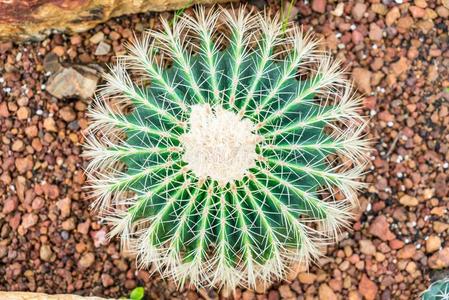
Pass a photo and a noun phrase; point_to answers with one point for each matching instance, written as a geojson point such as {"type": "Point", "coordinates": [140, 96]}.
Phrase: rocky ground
{"type": "Point", "coordinates": [398, 56]}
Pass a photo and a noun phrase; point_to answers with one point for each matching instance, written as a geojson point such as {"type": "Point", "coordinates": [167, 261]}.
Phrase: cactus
{"type": "Point", "coordinates": [223, 149]}
{"type": "Point", "coordinates": [438, 290]}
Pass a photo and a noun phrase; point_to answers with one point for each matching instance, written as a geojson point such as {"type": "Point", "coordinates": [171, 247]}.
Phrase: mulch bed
{"type": "Point", "coordinates": [398, 55]}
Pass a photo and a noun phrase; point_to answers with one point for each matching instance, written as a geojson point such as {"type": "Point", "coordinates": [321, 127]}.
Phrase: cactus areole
{"type": "Point", "coordinates": [223, 150]}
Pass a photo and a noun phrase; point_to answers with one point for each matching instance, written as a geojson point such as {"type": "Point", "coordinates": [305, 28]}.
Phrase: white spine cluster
{"type": "Point", "coordinates": [219, 144]}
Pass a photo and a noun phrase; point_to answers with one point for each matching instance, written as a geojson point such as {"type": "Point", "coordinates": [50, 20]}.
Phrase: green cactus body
{"type": "Point", "coordinates": [439, 290]}
{"type": "Point", "coordinates": [222, 168]}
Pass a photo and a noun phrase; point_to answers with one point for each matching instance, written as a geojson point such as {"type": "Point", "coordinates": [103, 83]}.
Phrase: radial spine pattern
{"type": "Point", "coordinates": [223, 150]}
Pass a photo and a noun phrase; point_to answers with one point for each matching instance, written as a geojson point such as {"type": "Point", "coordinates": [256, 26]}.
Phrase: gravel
{"type": "Point", "coordinates": [397, 54]}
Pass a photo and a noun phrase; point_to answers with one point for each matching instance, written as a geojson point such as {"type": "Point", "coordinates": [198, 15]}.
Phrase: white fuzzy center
{"type": "Point", "coordinates": [219, 144]}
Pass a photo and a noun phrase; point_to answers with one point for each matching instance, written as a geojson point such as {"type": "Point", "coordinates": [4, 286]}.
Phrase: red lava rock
{"type": "Point", "coordinates": [417, 12]}
{"type": "Point", "coordinates": [367, 247]}
{"type": "Point", "coordinates": [4, 112]}
{"type": "Point", "coordinates": [50, 125]}
{"type": "Point", "coordinates": [400, 66]}
{"type": "Point", "coordinates": [443, 11]}
{"type": "Point", "coordinates": [24, 164]}
{"type": "Point", "coordinates": [357, 37]}
{"type": "Point", "coordinates": [23, 113]}
{"type": "Point", "coordinates": [67, 114]}
{"type": "Point", "coordinates": [64, 206]}
{"type": "Point", "coordinates": [440, 259]}
{"type": "Point", "coordinates": [319, 6]}
{"type": "Point", "coordinates": [86, 260]}
{"type": "Point", "coordinates": [273, 295]}
{"type": "Point", "coordinates": [358, 11]}
{"type": "Point", "coordinates": [367, 288]}
{"type": "Point", "coordinates": [69, 224]}
{"type": "Point", "coordinates": [50, 190]}
{"type": "Point", "coordinates": [326, 293]}
{"type": "Point", "coordinates": [404, 24]}
{"type": "Point", "coordinates": [380, 228]}
{"type": "Point", "coordinates": [45, 253]}
{"type": "Point", "coordinates": [29, 220]}
{"type": "Point", "coordinates": [307, 278]}
{"type": "Point", "coordinates": [433, 243]}
{"type": "Point", "coordinates": [107, 280]}
{"type": "Point", "coordinates": [379, 8]}
{"type": "Point", "coordinates": [408, 200]}
{"type": "Point", "coordinates": [18, 146]}
{"type": "Point", "coordinates": [9, 205]}
{"type": "Point", "coordinates": [38, 203]}
{"type": "Point", "coordinates": [362, 79]}
{"type": "Point", "coordinates": [375, 32]}
{"type": "Point", "coordinates": [396, 244]}
{"type": "Point", "coordinates": [285, 291]}
{"type": "Point", "coordinates": [14, 222]}
{"type": "Point", "coordinates": [407, 252]}
{"type": "Point", "coordinates": [441, 186]}
{"type": "Point", "coordinates": [83, 228]}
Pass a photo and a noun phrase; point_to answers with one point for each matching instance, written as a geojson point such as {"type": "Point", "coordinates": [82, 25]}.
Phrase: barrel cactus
{"type": "Point", "coordinates": [223, 149]}
{"type": "Point", "coordinates": [439, 290]}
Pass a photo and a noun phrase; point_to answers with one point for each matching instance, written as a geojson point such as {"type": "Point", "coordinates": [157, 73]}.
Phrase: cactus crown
{"type": "Point", "coordinates": [223, 150]}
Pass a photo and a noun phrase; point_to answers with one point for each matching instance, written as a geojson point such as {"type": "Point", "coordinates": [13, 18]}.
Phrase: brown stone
{"type": "Point", "coordinates": [367, 247]}
{"type": "Point", "coordinates": [392, 16]}
{"type": "Point", "coordinates": [29, 18]}
{"type": "Point", "coordinates": [399, 67]}
{"type": "Point", "coordinates": [408, 200]}
{"type": "Point", "coordinates": [358, 11]}
{"type": "Point", "coordinates": [375, 32]}
{"type": "Point", "coordinates": [362, 79]}
{"type": "Point", "coordinates": [24, 164]}
{"type": "Point", "coordinates": [64, 206]}
{"type": "Point", "coordinates": [45, 253]}
{"type": "Point", "coordinates": [319, 6]}
{"type": "Point", "coordinates": [379, 9]}
{"type": "Point", "coordinates": [407, 252]}
{"type": "Point", "coordinates": [380, 228]}
{"type": "Point", "coordinates": [23, 113]}
{"type": "Point", "coordinates": [433, 243]}
{"type": "Point", "coordinates": [107, 280]}
{"type": "Point", "coordinates": [404, 24]}
{"type": "Point", "coordinates": [50, 124]}
{"type": "Point", "coordinates": [9, 205]}
{"type": "Point", "coordinates": [67, 114]}
{"type": "Point", "coordinates": [367, 288]}
{"type": "Point", "coordinates": [417, 12]}
{"type": "Point", "coordinates": [440, 259]}
{"type": "Point", "coordinates": [307, 278]}
{"type": "Point", "coordinates": [73, 82]}
{"type": "Point", "coordinates": [29, 220]}
{"type": "Point", "coordinates": [86, 260]}
{"type": "Point", "coordinates": [326, 293]}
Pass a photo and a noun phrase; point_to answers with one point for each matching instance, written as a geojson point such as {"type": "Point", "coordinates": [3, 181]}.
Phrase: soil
{"type": "Point", "coordinates": [398, 55]}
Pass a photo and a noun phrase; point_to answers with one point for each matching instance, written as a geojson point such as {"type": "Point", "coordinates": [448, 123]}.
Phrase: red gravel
{"type": "Point", "coordinates": [398, 55]}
